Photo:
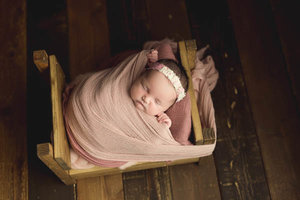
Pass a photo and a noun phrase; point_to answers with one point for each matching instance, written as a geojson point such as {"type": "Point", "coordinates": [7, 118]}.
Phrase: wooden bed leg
{"type": "Point", "coordinates": [45, 154]}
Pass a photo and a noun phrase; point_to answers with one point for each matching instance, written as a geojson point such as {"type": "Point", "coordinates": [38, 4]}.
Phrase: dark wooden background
{"type": "Point", "coordinates": [257, 98]}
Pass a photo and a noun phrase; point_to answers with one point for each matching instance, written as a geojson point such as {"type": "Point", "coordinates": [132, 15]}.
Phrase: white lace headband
{"type": "Point", "coordinates": [174, 79]}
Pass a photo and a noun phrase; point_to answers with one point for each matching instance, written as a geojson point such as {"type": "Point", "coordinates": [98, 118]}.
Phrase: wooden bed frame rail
{"type": "Point", "coordinates": [57, 155]}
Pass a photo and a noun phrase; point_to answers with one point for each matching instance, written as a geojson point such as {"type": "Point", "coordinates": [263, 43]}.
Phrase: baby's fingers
{"type": "Point", "coordinates": [160, 116]}
{"type": "Point", "coordinates": [153, 51]}
{"type": "Point", "coordinates": [153, 55]}
{"type": "Point", "coordinates": [163, 119]}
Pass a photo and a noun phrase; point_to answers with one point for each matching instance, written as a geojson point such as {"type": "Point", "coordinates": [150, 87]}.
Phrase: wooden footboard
{"type": "Point", "coordinates": [57, 155]}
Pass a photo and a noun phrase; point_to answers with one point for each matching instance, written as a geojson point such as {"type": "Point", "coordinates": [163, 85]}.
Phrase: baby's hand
{"type": "Point", "coordinates": [164, 118]}
{"type": "Point", "coordinates": [152, 56]}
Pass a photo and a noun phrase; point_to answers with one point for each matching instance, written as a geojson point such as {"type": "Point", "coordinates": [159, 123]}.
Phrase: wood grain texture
{"type": "Point", "coordinates": [194, 182]}
{"type": "Point", "coordinates": [61, 145]}
{"type": "Point", "coordinates": [168, 19]}
{"type": "Point", "coordinates": [40, 59]}
{"type": "Point", "coordinates": [237, 155]}
{"type": "Point", "coordinates": [286, 17]}
{"type": "Point", "coordinates": [13, 59]}
{"type": "Point", "coordinates": [272, 102]}
{"type": "Point", "coordinates": [184, 56]}
{"type": "Point", "coordinates": [148, 184]}
{"type": "Point", "coordinates": [88, 35]}
{"type": "Point", "coordinates": [100, 188]}
{"type": "Point", "coordinates": [100, 171]}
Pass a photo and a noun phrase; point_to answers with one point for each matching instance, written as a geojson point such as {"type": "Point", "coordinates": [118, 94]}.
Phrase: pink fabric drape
{"type": "Point", "coordinates": [104, 126]}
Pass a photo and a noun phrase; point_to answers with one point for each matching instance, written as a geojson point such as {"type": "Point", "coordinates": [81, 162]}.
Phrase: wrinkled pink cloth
{"type": "Point", "coordinates": [103, 125]}
{"type": "Point", "coordinates": [205, 78]}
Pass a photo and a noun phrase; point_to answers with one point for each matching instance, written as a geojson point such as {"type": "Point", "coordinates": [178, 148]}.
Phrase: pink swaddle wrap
{"type": "Point", "coordinates": [106, 129]}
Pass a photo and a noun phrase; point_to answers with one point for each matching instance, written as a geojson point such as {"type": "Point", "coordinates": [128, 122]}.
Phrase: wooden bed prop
{"type": "Point", "coordinates": [57, 155]}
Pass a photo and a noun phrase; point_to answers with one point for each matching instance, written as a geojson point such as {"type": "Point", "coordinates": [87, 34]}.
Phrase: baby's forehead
{"type": "Point", "coordinates": [160, 85]}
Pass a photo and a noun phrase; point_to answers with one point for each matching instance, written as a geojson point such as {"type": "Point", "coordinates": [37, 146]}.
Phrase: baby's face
{"type": "Point", "coordinates": [152, 93]}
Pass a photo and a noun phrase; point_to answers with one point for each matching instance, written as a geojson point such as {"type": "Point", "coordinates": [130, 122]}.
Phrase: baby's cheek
{"type": "Point", "coordinates": [139, 106]}
{"type": "Point", "coordinates": [132, 92]}
{"type": "Point", "coordinates": [153, 111]}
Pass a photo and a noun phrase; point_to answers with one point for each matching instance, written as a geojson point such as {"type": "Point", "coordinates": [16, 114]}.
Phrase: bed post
{"type": "Point", "coordinates": [187, 56]}
{"type": "Point", "coordinates": [57, 83]}
{"type": "Point", "coordinates": [61, 145]}
{"type": "Point", "coordinates": [45, 154]}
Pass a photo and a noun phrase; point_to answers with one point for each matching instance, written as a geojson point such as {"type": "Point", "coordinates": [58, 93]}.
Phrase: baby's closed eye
{"type": "Point", "coordinates": [144, 87]}
{"type": "Point", "coordinates": [157, 101]}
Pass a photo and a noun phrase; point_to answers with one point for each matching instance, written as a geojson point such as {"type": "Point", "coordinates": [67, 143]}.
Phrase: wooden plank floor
{"type": "Point", "coordinates": [13, 56]}
{"type": "Point", "coordinates": [237, 156]}
{"type": "Point", "coordinates": [273, 105]}
{"type": "Point", "coordinates": [256, 99]}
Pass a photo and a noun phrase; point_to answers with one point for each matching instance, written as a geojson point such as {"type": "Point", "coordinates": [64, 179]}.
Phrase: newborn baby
{"type": "Point", "coordinates": [163, 83]}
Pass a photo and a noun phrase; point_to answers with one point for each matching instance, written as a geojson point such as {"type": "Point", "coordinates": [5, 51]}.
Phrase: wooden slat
{"type": "Point", "coordinates": [237, 155]}
{"type": "Point", "coordinates": [195, 114]}
{"type": "Point", "coordinates": [188, 183]}
{"type": "Point", "coordinates": [88, 35]}
{"type": "Point", "coordinates": [13, 59]}
{"type": "Point", "coordinates": [99, 171]}
{"type": "Point", "coordinates": [169, 20]}
{"type": "Point", "coordinates": [61, 146]}
{"type": "Point", "coordinates": [45, 153]}
{"type": "Point", "coordinates": [191, 49]}
{"type": "Point", "coordinates": [286, 17]}
{"type": "Point", "coordinates": [104, 188]}
{"type": "Point", "coordinates": [273, 104]}
{"type": "Point", "coordinates": [148, 184]}
{"type": "Point", "coordinates": [136, 185]}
